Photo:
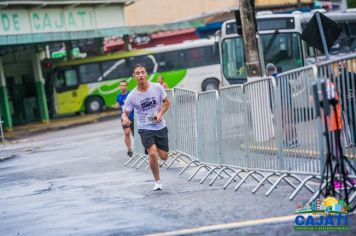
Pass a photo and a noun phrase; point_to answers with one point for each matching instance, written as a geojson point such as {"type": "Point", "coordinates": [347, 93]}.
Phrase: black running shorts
{"type": "Point", "coordinates": [158, 137]}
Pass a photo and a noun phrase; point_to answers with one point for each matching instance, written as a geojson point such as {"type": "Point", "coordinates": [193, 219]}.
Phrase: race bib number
{"type": "Point", "coordinates": [150, 119]}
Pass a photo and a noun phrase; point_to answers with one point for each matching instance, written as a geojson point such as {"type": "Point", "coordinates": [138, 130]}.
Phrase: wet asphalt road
{"type": "Point", "coordinates": [73, 182]}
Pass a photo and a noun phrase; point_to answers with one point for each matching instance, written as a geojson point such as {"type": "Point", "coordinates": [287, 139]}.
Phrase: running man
{"type": "Point", "coordinates": [128, 129]}
{"type": "Point", "coordinates": [151, 102]}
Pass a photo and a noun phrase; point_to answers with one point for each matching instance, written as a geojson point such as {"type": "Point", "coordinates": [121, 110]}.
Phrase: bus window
{"type": "Point", "coordinates": [282, 49]}
{"type": "Point", "coordinates": [233, 57]}
{"type": "Point", "coordinates": [90, 73]}
{"type": "Point", "coordinates": [115, 69]}
{"type": "Point", "coordinates": [202, 56]}
{"type": "Point", "coordinates": [212, 54]}
{"type": "Point", "coordinates": [346, 42]}
{"type": "Point", "coordinates": [66, 79]}
{"type": "Point", "coordinates": [352, 35]}
{"type": "Point", "coordinates": [170, 61]}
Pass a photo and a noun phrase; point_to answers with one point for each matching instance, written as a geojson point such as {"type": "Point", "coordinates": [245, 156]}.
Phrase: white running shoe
{"type": "Point", "coordinates": [158, 186]}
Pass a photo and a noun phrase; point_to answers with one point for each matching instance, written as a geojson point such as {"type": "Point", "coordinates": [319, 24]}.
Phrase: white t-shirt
{"type": "Point", "coordinates": [147, 105]}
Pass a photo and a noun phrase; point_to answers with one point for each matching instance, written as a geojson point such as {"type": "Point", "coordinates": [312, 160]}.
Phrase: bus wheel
{"type": "Point", "coordinates": [210, 84]}
{"type": "Point", "coordinates": [93, 105]}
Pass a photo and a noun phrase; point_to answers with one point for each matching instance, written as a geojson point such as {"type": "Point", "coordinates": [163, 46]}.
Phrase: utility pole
{"type": "Point", "coordinates": [247, 14]}
{"type": "Point", "coordinates": [299, 4]}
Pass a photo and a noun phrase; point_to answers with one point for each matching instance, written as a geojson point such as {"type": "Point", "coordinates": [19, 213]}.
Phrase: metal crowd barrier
{"type": "Point", "coordinates": [261, 146]}
{"type": "Point", "coordinates": [233, 132]}
{"type": "Point", "coordinates": [186, 121]}
{"type": "Point", "coordinates": [265, 130]}
{"type": "Point", "coordinates": [185, 111]}
{"type": "Point", "coordinates": [139, 157]}
{"type": "Point", "coordinates": [171, 122]}
{"type": "Point", "coordinates": [208, 116]}
{"type": "Point", "coordinates": [260, 150]}
{"type": "Point", "coordinates": [169, 117]}
{"type": "Point", "coordinates": [208, 138]}
{"type": "Point", "coordinates": [299, 131]}
{"type": "Point", "coordinates": [297, 137]}
{"type": "Point", "coordinates": [232, 120]}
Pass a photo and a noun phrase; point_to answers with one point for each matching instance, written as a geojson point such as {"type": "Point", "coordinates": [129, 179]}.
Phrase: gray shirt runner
{"type": "Point", "coordinates": [147, 105]}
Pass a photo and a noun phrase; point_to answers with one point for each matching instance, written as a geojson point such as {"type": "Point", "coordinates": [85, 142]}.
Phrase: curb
{"type": "Point", "coordinates": [9, 138]}
{"type": "Point", "coordinates": [7, 158]}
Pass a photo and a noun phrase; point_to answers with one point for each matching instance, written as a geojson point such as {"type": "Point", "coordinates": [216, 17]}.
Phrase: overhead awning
{"type": "Point", "coordinates": [49, 24]}
{"type": "Point", "coordinates": [22, 3]}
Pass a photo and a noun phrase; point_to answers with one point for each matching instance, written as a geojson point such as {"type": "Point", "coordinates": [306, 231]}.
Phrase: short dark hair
{"type": "Point", "coordinates": [139, 65]}
{"type": "Point", "coordinates": [123, 81]}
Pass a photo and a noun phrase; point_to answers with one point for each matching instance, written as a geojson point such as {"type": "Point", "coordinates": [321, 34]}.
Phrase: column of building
{"type": "Point", "coordinates": [40, 86]}
{"type": "Point", "coordinates": [4, 101]}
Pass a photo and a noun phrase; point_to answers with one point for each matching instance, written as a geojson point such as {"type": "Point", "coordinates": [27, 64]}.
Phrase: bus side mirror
{"type": "Point", "coordinates": [217, 37]}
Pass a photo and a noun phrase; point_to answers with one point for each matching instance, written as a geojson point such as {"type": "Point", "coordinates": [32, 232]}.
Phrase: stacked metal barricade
{"type": "Point", "coordinates": [265, 131]}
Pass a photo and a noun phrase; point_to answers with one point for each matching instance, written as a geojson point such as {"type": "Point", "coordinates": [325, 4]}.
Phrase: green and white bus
{"type": "Point", "coordinates": [91, 84]}
{"type": "Point", "coordinates": [280, 42]}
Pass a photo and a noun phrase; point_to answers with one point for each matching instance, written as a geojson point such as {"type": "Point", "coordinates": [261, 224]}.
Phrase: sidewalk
{"type": "Point", "coordinates": [19, 132]}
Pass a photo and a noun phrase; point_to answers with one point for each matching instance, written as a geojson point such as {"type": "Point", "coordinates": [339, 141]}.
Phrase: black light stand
{"type": "Point", "coordinates": [336, 161]}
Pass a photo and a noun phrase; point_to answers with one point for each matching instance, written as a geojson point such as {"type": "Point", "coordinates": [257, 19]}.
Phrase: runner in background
{"type": "Point", "coordinates": [161, 82]}
{"type": "Point", "coordinates": [128, 129]}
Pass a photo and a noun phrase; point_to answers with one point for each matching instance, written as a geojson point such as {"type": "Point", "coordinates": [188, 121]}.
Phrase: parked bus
{"type": "Point", "coordinates": [91, 84]}
{"type": "Point", "coordinates": [280, 41]}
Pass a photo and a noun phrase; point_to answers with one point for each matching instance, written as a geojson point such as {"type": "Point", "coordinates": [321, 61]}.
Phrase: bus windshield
{"type": "Point", "coordinates": [283, 50]}
{"type": "Point", "coordinates": [233, 59]}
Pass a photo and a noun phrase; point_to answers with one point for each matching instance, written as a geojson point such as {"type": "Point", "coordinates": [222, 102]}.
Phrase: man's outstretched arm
{"type": "Point", "coordinates": [125, 118]}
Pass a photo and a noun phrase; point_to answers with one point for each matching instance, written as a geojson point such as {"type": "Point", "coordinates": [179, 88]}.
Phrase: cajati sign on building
{"type": "Point", "coordinates": [14, 22]}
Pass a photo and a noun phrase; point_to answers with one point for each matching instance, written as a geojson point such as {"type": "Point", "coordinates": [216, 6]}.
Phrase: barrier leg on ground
{"type": "Point", "coordinates": [195, 162]}
{"type": "Point", "coordinates": [257, 173]}
{"type": "Point", "coordinates": [175, 157]}
{"type": "Point", "coordinates": [317, 193]}
{"type": "Point", "coordinates": [131, 158]}
{"type": "Point", "coordinates": [266, 178]}
{"type": "Point", "coordinates": [140, 158]}
{"type": "Point", "coordinates": [353, 197]}
{"type": "Point", "coordinates": [160, 163]}
{"type": "Point", "coordinates": [243, 180]}
{"type": "Point", "coordinates": [220, 171]}
{"type": "Point", "coordinates": [143, 161]}
{"type": "Point", "coordinates": [301, 185]}
{"type": "Point", "coordinates": [163, 163]}
{"type": "Point", "coordinates": [217, 175]}
{"type": "Point", "coordinates": [284, 177]}
{"type": "Point", "coordinates": [275, 184]}
{"type": "Point", "coordinates": [299, 180]}
{"type": "Point", "coordinates": [178, 157]}
{"type": "Point", "coordinates": [208, 168]}
{"type": "Point", "coordinates": [211, 171]}
{"type": "Point", "coordinates": [233, 178]}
